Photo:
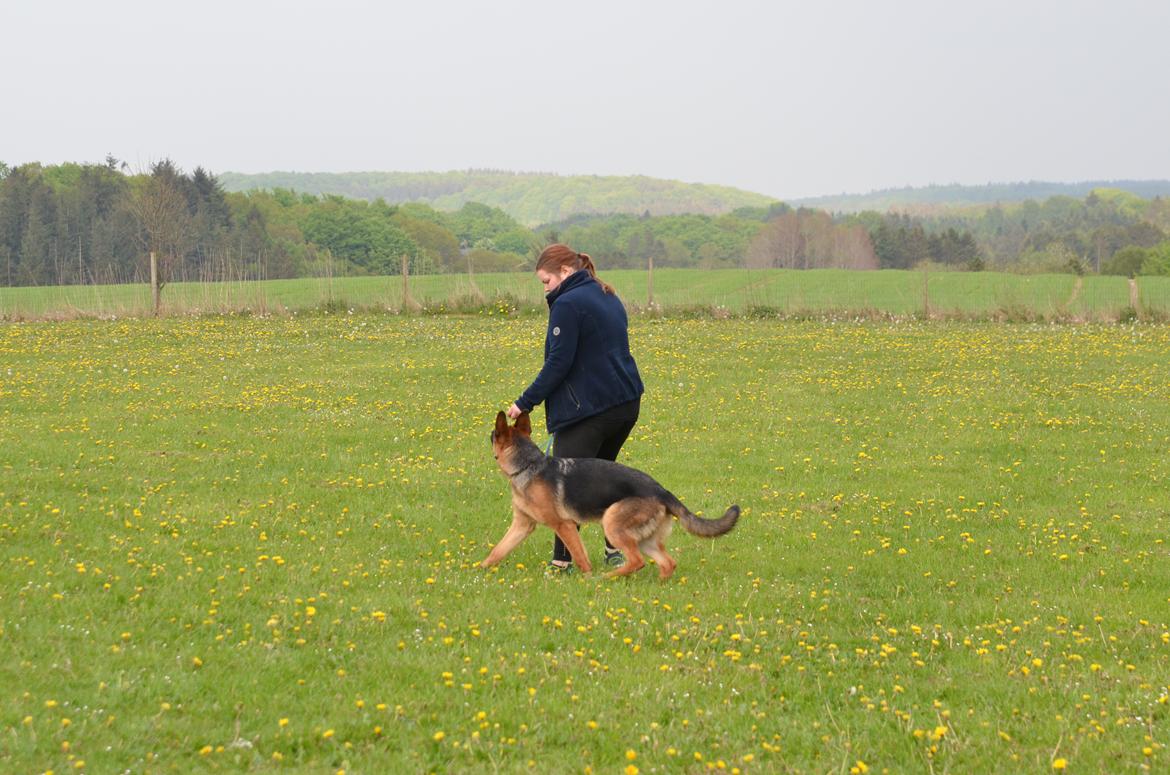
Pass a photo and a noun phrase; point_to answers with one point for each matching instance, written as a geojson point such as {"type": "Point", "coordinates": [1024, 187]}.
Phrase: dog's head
{"type": "Point", "coordinates": [504, 437]}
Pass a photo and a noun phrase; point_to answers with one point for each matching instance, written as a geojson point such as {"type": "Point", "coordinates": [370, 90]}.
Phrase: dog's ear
{"type": "Point", "coordinates": [524, 424]}
{"type": "Point", "coordinates": [501, 425]}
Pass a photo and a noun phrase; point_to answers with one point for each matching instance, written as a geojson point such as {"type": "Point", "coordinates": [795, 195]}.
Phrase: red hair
{"type": "Point", "coordinates": [557, 255]}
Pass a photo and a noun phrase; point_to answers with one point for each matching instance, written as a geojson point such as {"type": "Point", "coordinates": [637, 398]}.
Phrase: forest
{"type": "Point", "coordinates": [924, 199]}
{"type": "Point", "coordinates": [97, 223]}
{"type": "Point", "coordinates": [531, 198]}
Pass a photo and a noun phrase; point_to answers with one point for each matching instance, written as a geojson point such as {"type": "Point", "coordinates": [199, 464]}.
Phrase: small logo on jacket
{"type": "Point", "coordinates": [556, 330]}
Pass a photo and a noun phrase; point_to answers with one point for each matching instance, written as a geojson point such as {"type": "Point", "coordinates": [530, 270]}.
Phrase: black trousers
{"type": "Point", "coordinates": [601, 436]}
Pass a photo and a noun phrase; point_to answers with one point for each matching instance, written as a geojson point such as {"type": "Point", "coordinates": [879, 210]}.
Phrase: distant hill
{"type": "Point", "coordinates": [929, 198]}
{"type": "Point", "coordinates": [531, 198]}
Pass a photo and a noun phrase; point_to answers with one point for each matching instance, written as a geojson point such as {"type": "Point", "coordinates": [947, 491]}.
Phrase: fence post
{"type": "Point", "coordinates": [405, 280]}
{"type": "Point", "coordinates": [925, 291]}
{"type": "Point", "coordinates": [650, 281]}
{"type": "Point", "coordinates": [154, 289]}
{"type": "Point", "coordinates": [329, 273]}
{"type": "Point", "coordinates": [476, 293]}
{"type": "Point", "coordinates": [407, 301]}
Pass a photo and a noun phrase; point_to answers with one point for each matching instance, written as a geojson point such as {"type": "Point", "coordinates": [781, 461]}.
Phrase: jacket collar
{"type": "Point", "coordinates": [575, 280]}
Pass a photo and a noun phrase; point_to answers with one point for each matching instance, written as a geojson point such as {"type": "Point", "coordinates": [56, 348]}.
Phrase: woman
{"type": "Point", "coordinates": [589, 383]}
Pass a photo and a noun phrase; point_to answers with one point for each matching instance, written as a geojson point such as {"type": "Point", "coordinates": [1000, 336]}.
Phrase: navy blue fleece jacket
{"type": "Point", "coordinates": [587, 363]}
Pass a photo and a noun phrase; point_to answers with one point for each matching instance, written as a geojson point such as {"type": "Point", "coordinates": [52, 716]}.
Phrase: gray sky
{"type": "Point", "coordinates": [789, 99]}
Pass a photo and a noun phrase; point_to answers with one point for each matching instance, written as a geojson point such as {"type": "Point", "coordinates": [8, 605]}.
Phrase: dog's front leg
{"type": "Point", "coordinates": [522, 527]}
{"type": "Point", "coordinates": [572, 541]}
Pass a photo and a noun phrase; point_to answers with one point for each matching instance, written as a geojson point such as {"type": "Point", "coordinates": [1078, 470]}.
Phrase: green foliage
{"type": "Point", "coordinates": [1157, 261]}
{"type": "Point", "coordinates": [62, 176]}
{"type": "Point", "coordinates": [1128, 261]}
{"type": "Point", "coordinates": [475, 223]}
{"type": "Point", "coordinates": [361, 233]}
{"type": "Point", "coordinates": [1092, 229]}
{"type": "Point", "coordinates": [1054, 259]}
{"type": "Point", "coordinates": [671, 240]}
{"type": "Point", "coordinates": [761, 213]}
{"type": "Point", "coordinates": [1122, 202]}
{"type": "Point", "coordinates": [519, 241]}
{"type": "Point", "coordinates": [425, 212]}
{"type": "Point", "coordinates": [531, 199]}
{"type": "Point", "coordinates": [436, 242]}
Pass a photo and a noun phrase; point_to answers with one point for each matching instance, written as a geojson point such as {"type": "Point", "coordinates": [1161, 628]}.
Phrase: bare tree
{"type": "Point", "coordinates": [161, 211]}
{"type": "Point", "coordinates": [778, 244]}
{"type": "Point", "coordinates": [818, 230]}
{"type": "Point", "coordinates": [808, 239]}
{"type": "Point", "coordinates": [856, 248]}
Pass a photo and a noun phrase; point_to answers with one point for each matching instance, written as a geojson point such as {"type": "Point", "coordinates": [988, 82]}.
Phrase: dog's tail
{"type": "Point", "coordinates": [707, 528]}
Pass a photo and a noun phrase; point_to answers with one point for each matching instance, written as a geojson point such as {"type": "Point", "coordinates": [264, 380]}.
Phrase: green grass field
{"type": "Point", "coordinates": [249, 544]}
{"type": "Point", "coordinates": [990, 295]}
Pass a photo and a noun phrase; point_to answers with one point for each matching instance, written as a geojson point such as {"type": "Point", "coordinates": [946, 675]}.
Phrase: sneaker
{"type": "Point", "coordinates": [615, 558]}
{"type": "Point", "coordinates": [555, 569]}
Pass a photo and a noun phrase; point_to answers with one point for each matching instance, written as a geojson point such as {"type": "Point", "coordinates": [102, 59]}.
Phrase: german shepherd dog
{"type": "Point", "coordinates": [634, 510]}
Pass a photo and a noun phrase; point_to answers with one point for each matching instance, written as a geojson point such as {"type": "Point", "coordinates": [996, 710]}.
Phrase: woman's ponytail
{"type": "Point", "coordinates": [587, 264]}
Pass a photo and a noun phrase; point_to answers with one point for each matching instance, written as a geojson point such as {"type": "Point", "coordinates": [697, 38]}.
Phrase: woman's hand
{"type": "Point", "coordinates": [514, 412]}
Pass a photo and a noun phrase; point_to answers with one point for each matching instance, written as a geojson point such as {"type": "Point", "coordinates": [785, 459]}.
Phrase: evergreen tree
{"type": "Point", "coordinates": [38, 241]}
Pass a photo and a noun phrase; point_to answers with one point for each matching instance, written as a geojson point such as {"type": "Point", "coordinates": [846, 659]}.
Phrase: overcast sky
{"type": "Point", "coordinates": [789, 99]}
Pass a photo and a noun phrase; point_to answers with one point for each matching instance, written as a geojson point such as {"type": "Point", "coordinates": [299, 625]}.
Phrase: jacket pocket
{"type": "Point", "coordinates": [573, 396]}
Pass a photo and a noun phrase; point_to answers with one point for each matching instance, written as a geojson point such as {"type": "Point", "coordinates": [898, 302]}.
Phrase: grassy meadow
{"type": "Point", "coordinates": [970, 295]}
{"type": "Point", "coordinates": [249, 544]}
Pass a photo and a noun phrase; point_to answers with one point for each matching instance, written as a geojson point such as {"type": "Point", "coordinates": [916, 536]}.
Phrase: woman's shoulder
{"type": "Point", "coordinates": [577, 295]}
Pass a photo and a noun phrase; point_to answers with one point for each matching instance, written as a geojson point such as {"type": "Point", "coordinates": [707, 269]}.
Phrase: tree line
{"type": "Point", "coordinates": [1067, 234]}
{"type": "Point", "coordinates": [776, 236]}
{"type": "Point", "coordinates": [97, 223]}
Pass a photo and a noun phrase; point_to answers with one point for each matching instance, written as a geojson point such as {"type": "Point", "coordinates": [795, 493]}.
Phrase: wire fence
{"type": "Point", "coordinates": [919, 293]}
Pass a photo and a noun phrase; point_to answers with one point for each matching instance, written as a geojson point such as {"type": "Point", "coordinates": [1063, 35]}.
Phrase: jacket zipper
{"type": "Point", "coordinates": [573, 395]}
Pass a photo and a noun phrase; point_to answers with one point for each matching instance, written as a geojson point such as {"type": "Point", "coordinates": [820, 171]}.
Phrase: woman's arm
{"type": "Point", "coordinates": [563, 332]}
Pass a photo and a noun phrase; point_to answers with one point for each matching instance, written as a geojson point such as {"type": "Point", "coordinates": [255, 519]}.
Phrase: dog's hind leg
{"type": "Point", "coordinates": [522, 527]}
{"type": "Point", "coordinates": [571, 538]}
{"type": "Point", "coordinates": [656, 550]}
{"type": "Point", "coordinates": [634, 560]}
{"type": "Point", "coordinates": [628, 524]}
{"type": "Point", "coordinates": [654, 546]}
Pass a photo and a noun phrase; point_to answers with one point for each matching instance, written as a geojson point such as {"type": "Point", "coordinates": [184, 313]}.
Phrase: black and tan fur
{"type": "Point", "coordinates": [634, 510]}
